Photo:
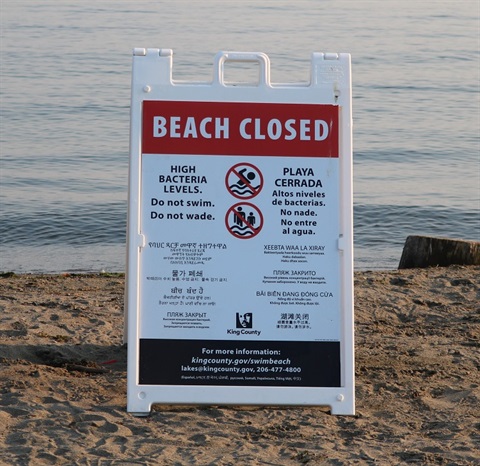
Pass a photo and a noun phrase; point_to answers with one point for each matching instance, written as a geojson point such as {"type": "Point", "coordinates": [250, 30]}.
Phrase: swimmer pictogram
{"type": "Point", "coordinates": [244, 220]}
{"type": "Point", "coordinates": [244, 181]}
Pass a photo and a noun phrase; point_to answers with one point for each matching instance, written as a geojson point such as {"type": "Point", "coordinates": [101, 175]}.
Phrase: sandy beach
{"type": "Point", "coordinates": [63, 383]}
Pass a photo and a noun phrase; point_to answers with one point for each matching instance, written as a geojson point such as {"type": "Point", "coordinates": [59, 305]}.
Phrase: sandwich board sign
{"type": "Point", "coordinates": [240, 244]}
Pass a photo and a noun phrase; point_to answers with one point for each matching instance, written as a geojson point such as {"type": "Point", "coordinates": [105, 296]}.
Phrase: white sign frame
{"type": "Point", "coordinates": [330, 85]}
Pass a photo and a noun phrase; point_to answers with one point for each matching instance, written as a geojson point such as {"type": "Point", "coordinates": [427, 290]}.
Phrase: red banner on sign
{"type": "Point", "coordinates": [240, 128]}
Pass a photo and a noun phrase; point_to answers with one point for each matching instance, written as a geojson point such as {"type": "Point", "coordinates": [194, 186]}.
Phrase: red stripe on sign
{"type": "Point", "coordinates": [240, 128]}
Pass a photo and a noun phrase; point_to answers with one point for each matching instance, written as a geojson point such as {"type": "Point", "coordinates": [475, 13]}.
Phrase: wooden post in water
{"type": "Point", "coordinates": [427, 251]}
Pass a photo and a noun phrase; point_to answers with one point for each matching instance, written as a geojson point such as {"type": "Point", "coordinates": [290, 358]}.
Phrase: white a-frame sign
{"type": "Point", "coordinates": [240, 250]}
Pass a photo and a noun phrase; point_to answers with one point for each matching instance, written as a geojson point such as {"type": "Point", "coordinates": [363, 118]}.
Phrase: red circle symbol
{"type": "Point", "coordinates": [244, 220]}
{"type": "Point", "coordinates": [244, 181]}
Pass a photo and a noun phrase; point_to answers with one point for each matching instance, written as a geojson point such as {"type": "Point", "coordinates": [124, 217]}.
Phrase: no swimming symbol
{"type": "Point", "coordinates": [244, 181]}
{"type": "Point", "coordinates": [244, 220]}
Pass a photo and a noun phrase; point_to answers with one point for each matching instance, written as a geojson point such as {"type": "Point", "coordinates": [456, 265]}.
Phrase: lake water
{"type": "Point", "coordinates": [65, 90]}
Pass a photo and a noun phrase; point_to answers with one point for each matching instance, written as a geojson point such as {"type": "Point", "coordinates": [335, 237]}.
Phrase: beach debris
{"type": "Point", "coordinates": [428, 251]}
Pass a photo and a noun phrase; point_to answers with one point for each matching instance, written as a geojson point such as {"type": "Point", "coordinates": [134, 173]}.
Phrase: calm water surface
{"type": "Point", "coordinates": [65, 90]}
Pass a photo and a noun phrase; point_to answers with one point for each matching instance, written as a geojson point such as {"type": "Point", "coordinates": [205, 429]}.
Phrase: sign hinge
{"type": "Point", "coordinates": [141, 241]}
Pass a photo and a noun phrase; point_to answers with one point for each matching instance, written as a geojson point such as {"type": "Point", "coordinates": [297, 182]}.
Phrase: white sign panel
{"type": "Point", "coordinates": [239, 280]}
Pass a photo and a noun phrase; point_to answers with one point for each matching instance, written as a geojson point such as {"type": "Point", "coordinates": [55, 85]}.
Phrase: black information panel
{"type": "Point", "coordinates": [242, 363]}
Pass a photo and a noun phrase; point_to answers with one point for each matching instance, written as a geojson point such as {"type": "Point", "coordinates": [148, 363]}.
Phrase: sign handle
{"type": "Point", "coordinates": [246, 57]}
